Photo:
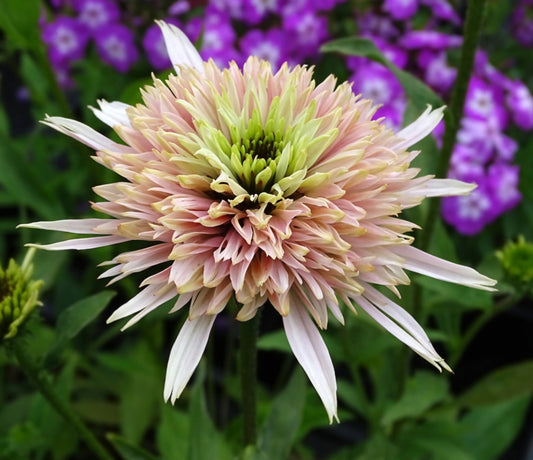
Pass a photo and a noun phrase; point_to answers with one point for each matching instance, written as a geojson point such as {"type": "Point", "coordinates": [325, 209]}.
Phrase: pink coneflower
{"type": "Point", "coordinates": [263, 186]}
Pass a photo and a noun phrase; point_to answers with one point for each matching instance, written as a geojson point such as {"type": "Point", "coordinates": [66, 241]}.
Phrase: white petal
{"type": "Point", "coordinates": [83, 226]}
{"type": "Point", "coordinates": [84, 134]}
{"type": "Point", "coordinates": [419, 128]}
{"type": "Point", "coordinates": [428, 353]}
{"type": "Point", "coordinates": [180, 49]}
{"type": "Point", "coordinates": [186, 354]}
{"type": "Point", "coordinates": [398, 314]}
{"type": "Point", "coordinates": [81, 243]}
{"type": "Point", "coordinates": [312, 354]}
{"type": "Point", "coordinates": [112, 113]}
{"type": "Point", "coordinates": [148, 296]}
{"type": "Point", "coordinates": [421, 262]}
{"type": "Point", "coordinates": [446, 187]}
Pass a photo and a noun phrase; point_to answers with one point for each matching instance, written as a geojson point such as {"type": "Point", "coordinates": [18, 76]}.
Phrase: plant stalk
{"type": "Point", "coordinates": [248, 355]}
{"type": "Point", "coordinates": [41, 379]}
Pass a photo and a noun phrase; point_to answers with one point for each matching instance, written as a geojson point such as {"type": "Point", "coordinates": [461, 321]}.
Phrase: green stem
{"type": "Point", "coordinates": [41, 379]}
{"type": "Point", "coordinates": [472, 27]}
{"type": "Point", "coordinates": [478, 324]}
{"type": "Point", "coordinates": [248, 353]}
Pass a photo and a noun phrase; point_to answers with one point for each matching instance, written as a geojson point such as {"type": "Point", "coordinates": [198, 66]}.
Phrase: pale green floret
{"type": "Point", "coordinates": [18, 296]}
{"type": "Point", "coordinates": [262, 150]}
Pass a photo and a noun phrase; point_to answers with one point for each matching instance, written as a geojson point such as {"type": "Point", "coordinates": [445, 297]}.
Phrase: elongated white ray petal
{"type": "Point", "coordinates": [147, 296]}
{"type": "Point", "coordinates": [420, 262]}
{"type": "Point", "coordinates": [419, 128]}
{"type": "Point", "coordinates": [312, 354]}
{"type": "Point", "coordinates": [398, 314]}
{"type": "Point", "coordinates": [447, 187]}
{"type": "Point", "coordinates": [81, 243]}
{"type": "Point", "coordinates": [84, 134]}
{"type": "Point", "coordinates": [82, 226]}
{"type": "Point", "coordinates": [428, 353]}
{"type": "Point", "coordinates": [112, 113]}
{"type": "Point", "coordinates": [180, 49]}
{"type": "Point", "coordinates": [186, 354]}
{"type": "Point", "coordinates": [165, 294]}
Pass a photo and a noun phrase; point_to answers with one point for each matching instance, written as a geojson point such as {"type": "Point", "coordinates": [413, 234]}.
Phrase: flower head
{"type": "Point", "coordinates": [18, 296]}
{"type": "Point", "coordinates": [267, 187]}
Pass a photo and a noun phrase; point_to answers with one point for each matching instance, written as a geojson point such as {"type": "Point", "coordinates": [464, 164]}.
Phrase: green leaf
{"type": "Point", "coordinates": [173, 433]}
{"type": "Point", "coordinates": [418, 93]}
{"type": "Point", "coordinates": [281, 426]}
{"type": "Point", "coordinates": [19, 21]}
{"type": "Point", "coordinates": [434, 440]}
{"type": "Point", "coordinates": [205, 441]}
{"type": "Point", "coordinates": [422, 391]}
{"type": "Point", "coordinates": [487, 431]}
{"type": "Point", "coordinates": [127, 450]}
{"type": "Point", "coordinates": [501, 385]}
{"type": "Point", "coordinates": [76, 317]}
{"type": "Point", "coordinates": [274, 341]}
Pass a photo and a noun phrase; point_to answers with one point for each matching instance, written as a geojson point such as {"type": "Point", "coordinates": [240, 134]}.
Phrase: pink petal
{"type": "Point", "coordinates": [420, 262]}
{"type": "Point", "coordinates": [179, 48]}
{"type": "Point", "coordinates": [312, 354]}
{"type": "Point", "coordinates": [84, 134]}
{"type": "Point", "coordinates": [83, 226]}
{"type": "Point", "coordinates": [81, 243]}
{"type": "Point", "coordinates": [186, 354]}
{"type": "Point", "coordinates": [112, 113]}
{"type": "Point", "coordinates": [419, 128]}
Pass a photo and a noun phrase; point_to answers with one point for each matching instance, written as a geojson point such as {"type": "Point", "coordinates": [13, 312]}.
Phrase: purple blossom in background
{"type": "Point", "coordinates": [96, 13]}
{"type": "Point", "coordinates": [66, 39]}
{"type": "Point", "coordinates": [257, 10]}
{"type": "Point", "coordinates": [179, 7]}
{"type": "Point", "coordinates": [437, 73]}
{"type": "Point", "coordinates": [379, 84]}
{"type": "Point", "coordinates": [155, 48]}
{"type": "Point", "coordinates": [310, 31]}
{"type": "Point", "coordinates": [522, 22]}
{"type": "Point", "coordinates": [503, 181]}
{"type": "Point", "coordinates": [116, 47]}
{"type": "Point", "coordinates": [520, 103]}
{"type": "Point", "coordinates": [218, 33]}
{"type": "Point", "coordinates": [271, 46]}
{"type": "Point", "coordinates": [424, 39]}
{"type": "Point", "coordinates": [470, 213]}
{"type": "Point", "coordinates": [442, 10]}
{"type": "Point", "coordinates": [401, 9]}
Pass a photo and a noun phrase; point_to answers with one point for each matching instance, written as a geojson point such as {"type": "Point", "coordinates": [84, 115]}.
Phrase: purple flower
{"type": "Point", "coordinates": [218, 33]}
{"type": "Point", "coordinates": [401, 9]}
{"type": "Point", "coordinates": [416, 39]}
{"type": "Point", "coordinates": [116, 46]}
{"type": "Point", "coordinates": [156, 50]}
{"type": "Point", "coordinates": [441, 9]}
{"type": "Point", "coordinates": [485, 101]}
{"type": "Point", "coordinates": [393, 53]}
{"type": "Point", "coordinates": [503, 181]}
{"type": "Point", "coordinates": [66, 39]}
{"type": "Point", "coordinates": [271, 46]}
{"type": "Point", "coordinates": [257, 10]}
{"type": "Point", "coordinates": [179, 7]}
{"type": "Point", "coordinates": [523, 23]}
{"type": "Point", "coordinates": [437, 73]}
{"type": "Point", "coordinates": [486, 136]}
{"type": "Point", "coordinates": [235, 8]}
{"type": "Point", "coordinates": [310, 30]}
{"type": "Point", "coordinates": [373, 25]}
{"type": "Point", "coordinates": [379, 84]}
{"type": "Point", "coordinates": [520, 103]}
{"type": "Point", "coordinates": [467, 162]}
{"type": "Point", "coordinates": [96, 13]}
{"type": "Point", "coordinates": [470, 213]}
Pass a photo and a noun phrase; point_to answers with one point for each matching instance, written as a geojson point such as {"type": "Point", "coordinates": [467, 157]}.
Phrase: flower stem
{"type": "Point", "coordinates": [41, 379]}
{"type": "Point", "coordinates": [472, 27]}
{"type": "Point", "coordinates": [248, 354]}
